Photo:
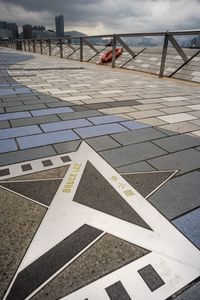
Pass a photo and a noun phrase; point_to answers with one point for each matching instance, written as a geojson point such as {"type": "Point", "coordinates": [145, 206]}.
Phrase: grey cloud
{"type": "Point", "coordinates": [104, 16]}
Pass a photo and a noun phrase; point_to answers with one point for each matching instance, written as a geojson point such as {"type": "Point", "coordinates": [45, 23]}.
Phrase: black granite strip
{"type": "Point", "coordinates": [65, 158]}
{"type": "Point", "coordinates": [117, 291]}
{"type": "Point", "coordinates": [94, 191]}
{"type": "Point", "coordinates": [30, 278]}
{"type": "Point", "coordinates": [47, 163]}
{"type": "Point", "coordinates": [26, 167]}
{"type": "Point", "coordinates": [4, 172]}
{"type": "Point", "coordinates": [151, 277]}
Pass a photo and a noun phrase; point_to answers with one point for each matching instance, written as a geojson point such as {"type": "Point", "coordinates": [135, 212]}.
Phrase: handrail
{"type": "Point", "coordinates": [116, 38]}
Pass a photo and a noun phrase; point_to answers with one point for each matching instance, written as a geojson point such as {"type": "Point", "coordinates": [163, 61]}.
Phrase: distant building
{"type": "Point", "coordinates": [59, 22]}
{"type": "Point", "coordinates": [14, 29]}
{"type": "Point", "coordinates": [38, 28]}
{"type": "Point", "coordinates": [43, 34]}
{"type": "Point", "coordinates": [27, 31]}
{"type": "Point", "coordinates": [9, 30]}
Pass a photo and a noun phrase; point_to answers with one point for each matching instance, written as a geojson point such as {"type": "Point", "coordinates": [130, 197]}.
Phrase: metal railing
{"type": "Point", "coordinates": [168, 36]}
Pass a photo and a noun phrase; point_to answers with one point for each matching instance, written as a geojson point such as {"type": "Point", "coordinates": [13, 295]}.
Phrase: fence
{"type": "Point", "coordinates": [38, 45]}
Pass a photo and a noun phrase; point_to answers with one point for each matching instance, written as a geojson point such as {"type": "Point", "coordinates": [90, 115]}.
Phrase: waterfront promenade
{"type": "Point", "coordinates": [99, 182]}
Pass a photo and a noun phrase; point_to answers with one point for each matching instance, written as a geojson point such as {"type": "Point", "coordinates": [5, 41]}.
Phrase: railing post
{"type": "Point", "coordinates": [49, 42]}
{"type": "Point", "coordinates": [24, 45]}
{"type": "Point", "coordinates": [61, 48]}
{"type": "Point", "coordinates": [34, 50]}
{"type": "Point", "coordinates": [41, 48]}
{"type": "Point", "coordinates": [81, 49]}
{"type": "Point", "coordinates": [164, 54]}
{"type": "Point", "coordinates": [114, 42]}
{"type": "Point", "coordinates": [29, 46]}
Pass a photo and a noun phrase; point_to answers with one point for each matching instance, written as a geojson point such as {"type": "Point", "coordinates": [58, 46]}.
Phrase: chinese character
{"type": "Point", "coordinates": [129, 193]}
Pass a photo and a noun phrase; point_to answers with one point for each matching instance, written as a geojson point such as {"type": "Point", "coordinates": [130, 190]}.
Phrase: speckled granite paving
{"type": "Point", "coordinates": [99, 182]}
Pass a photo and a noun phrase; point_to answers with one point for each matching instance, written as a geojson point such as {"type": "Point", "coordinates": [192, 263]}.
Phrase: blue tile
{"type": "Point", "coordinates": [7, 146]}
{"type": "Point", "coordinates": [134, 125]}
{"type": "Point", "coordinates": [15, 115]}
{"type": "Point", "coordinates": [98, 130]}
{"type": "Point", "coordinates": [22, 90]}
{"type": "Point", "coordinates": [189, 224]}
{"type": "Point", "coordinates": [105, 119]}
{"type": "Point", "coordinates": [19, 131]}
{"type": "Point", "coordinates": [51, 111]}
{"type": "Point", "coordinates": [7, 92]}
{"type": "Point", "coordinates": [65, 125]}
{"type": "Point", "coordinates": [46, 139]}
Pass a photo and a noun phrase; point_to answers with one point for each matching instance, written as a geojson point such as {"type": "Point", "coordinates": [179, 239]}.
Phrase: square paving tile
{"type": "Point", "coordinates": [98, 130]}
{"type": "Point", "coordinates": [175, 118]}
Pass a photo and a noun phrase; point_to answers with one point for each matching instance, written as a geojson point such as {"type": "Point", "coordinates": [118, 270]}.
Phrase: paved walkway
{"type": "Point", "coordinates": [99, 182]}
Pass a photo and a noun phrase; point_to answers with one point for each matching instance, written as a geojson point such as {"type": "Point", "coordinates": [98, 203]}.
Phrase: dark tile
{"type": "Point", "coordinates": [151, 277]}
{"type": "Point", "coordinates": [117, 291]}
{"type": "Point", "coordinates": [47, 163]}
{"type": "Point", "coordinates": [65, 158]}
{"type": "Point", "coordinates": [4, 172]}
{"type": "Point", "coordinates": [123, 103]}
{"type": "Point", "coordinates": [79, 108]}
{"type": "Point", "coordinates": [178, 196]}
{"type": "Point", "coordinates": [98, 194]}
{"type": "Point", "coordinates": [26, 167]}
{"type": "Point", "coordinates": [30, 278]}
{"type": "Point", "coordinates": [97, 105]}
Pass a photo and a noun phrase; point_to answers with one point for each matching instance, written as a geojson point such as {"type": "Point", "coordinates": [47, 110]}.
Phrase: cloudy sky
{"type": "Point", "coordinates": [105, 16]}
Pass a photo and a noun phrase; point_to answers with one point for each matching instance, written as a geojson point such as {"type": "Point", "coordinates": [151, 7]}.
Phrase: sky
{"type": "Point", "coordinates": [105, 16]}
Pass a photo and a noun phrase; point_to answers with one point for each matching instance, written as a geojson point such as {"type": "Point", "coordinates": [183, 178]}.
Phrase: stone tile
{"type": "Point", "coordinates": [191, 293]}
{"type": "Point", "coordinates": [17, 115]}
{"type": "Point", "coordinates": [189, 224]}
{"type": "Point", "coordinates": [29, 154]}
{"type": "Point", "coordinates": [13, 103]}
{"type": "Point", "coordinates": [51, 111]}
{"type": "Point", "coordinates": [19, 131]}
{"type": "Point", "coordinates": [46, 139]}
{"type": "Point", "coordinates": [97, 105]}
{"type": "Point", "coordinates": [4, 124]}
{"type": "Point", "coordinates": [25, 107]}
{"type": "Point", "coordinates": [175, 98]}
{"type": "Point", "coordinates": [185, 161]}
{"type": "Point", "coordinates": [178, 142]}
{"type": "Point", "coordinates": [98, 130]}
{"type": "Point", "coordinates": [196, 113]}
{"type": "Point", "coordinates": [181, 127]}
{"type": "Point", "coordinates": [133, 125]}
{"type": "Point", "coordinates": [7, 145]}
{"type": "Point", "coordinates": [152, 121]}
{"type": "Point", "coordinates": [111, 92]}
{"type": "Point", "coordinates": [117, 110]}
{"type": "Point", "coordinates": [136, 167]}
{"type": "Point", "coordinates": [122, 103]}
{"type": "Point", "coordinates": [137, 136]}
{"type": "Point", "coordinates": [178, 195]}
{"type": "Point", "coordinates": [150, 106]}
{"type": "Point", "coordinates": [196, 133]}
{"type": "Point", "coordinates": [145, 114]}
{"type": "Point", "coordinates": [105, 119]}
{"type": "Point", "coordinates": [79, 115]}
{"type": "Point", "coordinates": [66, 147]}
{"type": "Point", "coordinates": [132, 153]}
{"type": "Point", "coordinates": [175, 110]}
{"type": "Point", "coordinates": [102, 143]}
{"type": "Point", "coordinates": [34, 120]}
{"type": "Point", "coordinates": [175, 118]}
{"type": "Point", "coordinates": [77, 98]}
{"type": "Point", "coordinates": [55, 126]}
{"type": "Point", "coordinates": [195, 106]}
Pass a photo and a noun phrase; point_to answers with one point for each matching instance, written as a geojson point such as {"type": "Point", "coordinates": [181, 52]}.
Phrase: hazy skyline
{"type": "Point", "coordinates": [106, 16]}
